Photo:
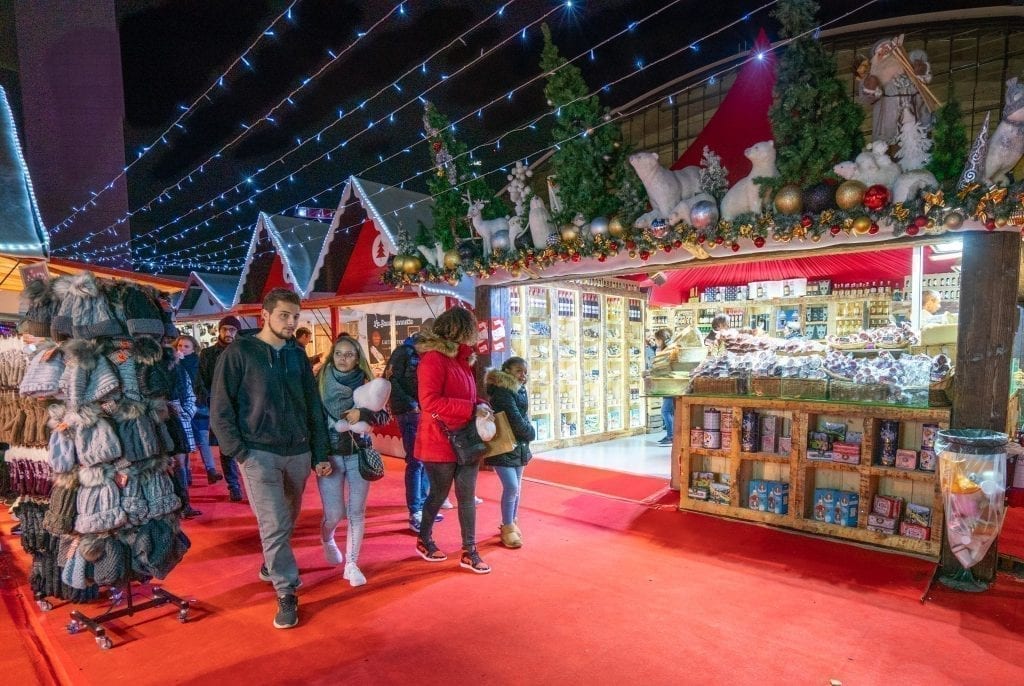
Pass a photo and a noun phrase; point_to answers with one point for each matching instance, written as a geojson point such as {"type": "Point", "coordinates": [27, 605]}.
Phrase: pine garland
{"type": "Point", "coordinates": [949, 143]}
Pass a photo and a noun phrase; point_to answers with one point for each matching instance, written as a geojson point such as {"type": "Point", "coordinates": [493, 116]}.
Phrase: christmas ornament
{"type": "Point", "coordinates": [815, 238]}
{"type": "Point", "coordinates": [953, 220]}
{"type": "Point", "coordinates": [861, 225]}
{"type": "Point", "coordinates": [912, 229]}
{"type": "Point", "coordinates": [818, 198]}
{"type": "Point", "coordinates": [703, 214]}
{"type": "Point", "coordinates": [659, 228]}
{"type": "Point", "coordinates": [806, 222]}
{"type": "Point", "coordinates": [398, 264]}
{"type": "Point", "coordinates": [876, 197]}
{"type": "Point", "coordinates": [759, 242]}
{"type": "Point", "coordinates": [500, 241]}
{"type": "Point", "coordinates": [835, 229]}
{"type": "Point", "coordinates": [990, 225]}
{"type": "Point", "coordinates": [645, 254]}
{"type": "Point", "coordinates": [467, 249]}
{"type": "Point", "coordinates": [616, 229]}
{"type": "Point", "coordinates": [874, 229]}
{"type": "Point", "coordinates": [850, 194]}
{"type": "Point", "coordinates": [554, 239]}
{"type": "Point", "coordinates": [452, 259]}
{"type": "Point", "coordinates": [789, 199]}
{"type": "Point", "coordinates": [995, 196]}
{"type": "Point", "coordinates": [1000, 221]}
{"type": "Point", "coordinates": [931, 200]}
{"type": "Point", "coordinates": [974, 171]}
{"type": "Point", "coordinates": [599, 226]}
{"type": "Point", "coordinates": [412, 265]}
{"type": "Point", "coordinates": [735, 247]}
{"type": "Point", "coordinates": [569, 232]}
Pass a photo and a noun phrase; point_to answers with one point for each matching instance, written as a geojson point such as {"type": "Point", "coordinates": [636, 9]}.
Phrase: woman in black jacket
{"type": "Point", "coordinates": [506, 389]}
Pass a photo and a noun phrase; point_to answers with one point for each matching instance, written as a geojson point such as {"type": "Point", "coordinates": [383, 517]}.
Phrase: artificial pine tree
{"type": "Point", "coordinates": [590, 161]}
{"type": "Point", "coordinates": [949, 143]}
{"type": "Point", "coordinates": [815, 123]}
{"type": "Point", "coordinates": [714, 178]}
{"type": "Point", "coordinates": [451, 181]}
{"type": "Point", "coordinates": [914, 143]}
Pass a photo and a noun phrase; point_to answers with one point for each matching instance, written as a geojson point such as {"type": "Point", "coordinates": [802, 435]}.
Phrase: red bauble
{"type": "Point", "coordinates": [920, 222]}
{"type": "Point", "coordinates": [600, 258]}
{"type": "Point", "coordinates": [912, 230]}
{"type": "Point", "coordinates": [990, 225]}
{"type": "Point", "coordinates": [630, 245]}
{"type": "Point", "coordinates": [667, 248]}
{"type": "Point", "coordinates": [876, 197]}
{"type": "Point", "coordinates": [806, 222]}
{"type": "Point", "coordinates": [644, 254]}
{"type": "Point", "coordinates": [576, 257]}
{"type": "Point", "coordinates": [835, 229]}
{"type": "Point", "coordinates": [677, 244]}
{"type": "Point", "coordinates": [735, 247]}
{"type": "Point", "coordinates": [719, 240]}
{"type": "Point", "coordinates": [874, 229]}
{"type": "Point", "coordinates": [759, 241]}
{"type": "Point", "coordinates": [437, 146]}
{"type": "Point", "coordinates": [701, 238]}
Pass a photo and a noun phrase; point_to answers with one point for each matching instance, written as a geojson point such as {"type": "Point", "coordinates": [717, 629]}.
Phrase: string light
{"type": "Point", "coordinates": [341, 116]}
{"type": "Point", "coordinates": [555, 146]}
{"type": "Point", "coordinates": [40, 228]}
{"type": "Point", "coordinates": [185, 111]}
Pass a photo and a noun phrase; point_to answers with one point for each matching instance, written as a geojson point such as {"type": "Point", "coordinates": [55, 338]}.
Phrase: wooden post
{"type": "Point", "coordinates": [335, 322]}
{"type": "Point", "coordinates": [988, 320]}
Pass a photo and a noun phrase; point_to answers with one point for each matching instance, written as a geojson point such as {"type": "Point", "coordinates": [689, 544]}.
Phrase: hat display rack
{"type": "Point", "coordinates": [98, 503]}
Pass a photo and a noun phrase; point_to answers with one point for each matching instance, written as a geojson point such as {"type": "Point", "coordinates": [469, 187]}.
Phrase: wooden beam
{"type": "Point", "coordinates": [988, 319]}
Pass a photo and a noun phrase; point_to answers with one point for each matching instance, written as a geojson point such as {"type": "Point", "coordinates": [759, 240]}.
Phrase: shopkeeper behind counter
{"type": "Point", "coordinates": [719, 326]}
{"type": "Point", "coordinates": [931, 303]}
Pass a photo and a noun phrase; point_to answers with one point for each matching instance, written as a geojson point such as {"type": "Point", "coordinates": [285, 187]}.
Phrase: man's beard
{"type": "Point", "coordinates": [280, 334]}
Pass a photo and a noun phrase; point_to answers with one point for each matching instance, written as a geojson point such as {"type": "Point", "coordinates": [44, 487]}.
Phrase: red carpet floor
{"type": "Point", "coordinates": [604, 591]}
{"type": "Point", "coordinates": [1011, 539]}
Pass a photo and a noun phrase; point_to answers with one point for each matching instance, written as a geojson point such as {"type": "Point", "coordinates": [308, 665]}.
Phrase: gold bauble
{"type": "Point", "coordinates": [616, 228]}
{"type": "Point", "coordinates": [569, 232]}
{"type": "Point", "coordinates": [398, 264]}
{"type": "Point", "coordinates": [452, 259]}
{"type": "Point", "coordinates": [815, 238]}
{"type": "Point", "coordinates": [412, 265]}
{"type": "Point", "coordinates": [789, 199]}
{"type": "Point", "coordinates": [515, 272]}
{"type": "Point", "coordinates": [953, 220]}
{"type": "Point", "coordinates": [850, 194]}
{"type": "Point", "coordinates": [1000, 222]}
{"type": "Point", "coordinates": [861, 225]}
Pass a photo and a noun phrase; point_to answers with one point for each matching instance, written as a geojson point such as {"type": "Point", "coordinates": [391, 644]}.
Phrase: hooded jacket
{"type": "Point", "coordinates": [401, 372]}
{"type": "Point", "coordinates": [509, 396]}
{"type": "Point", "coordinates": [447, 388]}
{"type": "Point", "coordinates": [264, 398]}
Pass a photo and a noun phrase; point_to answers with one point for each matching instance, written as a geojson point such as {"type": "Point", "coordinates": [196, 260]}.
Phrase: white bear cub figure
{"type": "Point", "coordinates": [372, 395]}
{"type": "Point", "coordinates": [746, 196]}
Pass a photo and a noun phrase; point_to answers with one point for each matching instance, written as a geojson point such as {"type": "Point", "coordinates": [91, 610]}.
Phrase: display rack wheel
{"type": "Point", "coordinates": [183, 615]}
{"type": "Point", "coordinates": [44, 605]}
{"type": "Point", "coordinates": [74, 627]}
{"type": "Point", "coordinates": [104, 643]}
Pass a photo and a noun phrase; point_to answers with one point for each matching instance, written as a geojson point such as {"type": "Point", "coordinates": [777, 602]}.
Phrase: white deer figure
{"type": "Point", "coordinates": [485, 228]}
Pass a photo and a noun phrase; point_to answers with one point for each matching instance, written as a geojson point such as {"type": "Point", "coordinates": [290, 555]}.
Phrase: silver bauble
{"type": "Point", "coordinates": [703, 214]}
{"type": "Point", "coordinates": [500, 240]}
{"type": "Point", "coordinates": [599, 226]}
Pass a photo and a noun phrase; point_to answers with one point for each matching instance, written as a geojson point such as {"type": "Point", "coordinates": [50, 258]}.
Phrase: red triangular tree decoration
{"type": "Point", "coordinates": [742, 118]}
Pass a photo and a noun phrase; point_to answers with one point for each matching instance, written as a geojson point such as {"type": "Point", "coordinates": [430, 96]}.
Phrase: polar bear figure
{"type": "Point", "coordinates": [747, 196]}
{"type": "Point", "coordinates": [909, 184]}
{"type": "Point", "coordinates": [665, 188]}
{"type": "Point", "coordinates": [872, 167]}
{"type": "Point", "coordinates": [541, 225]}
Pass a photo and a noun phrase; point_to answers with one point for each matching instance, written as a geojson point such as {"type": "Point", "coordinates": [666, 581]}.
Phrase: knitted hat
{"type": "Point", "coordinates": [158, 489]}
{"type": "Point", "coordinates": [87, 307]}
{"type": "Point", "coordinates": [122, 359]}
{"type": "Point", "coordinates": [60, 515]}
{"type": "Point", "coordinates": [60, 323]}
{"type": "Point", "coordinates": [109, 568]}
{"type": "Point", "coordinates": [88, 376]}
{"type": "Point", "coordinates": [39, 307]}
{"type": "Point", "coordinates": [166, 315]}
{"type": "Point", "coordinates": [61, 452]}
{"type": "Point", "coordinates": [157, 548]}
{"type": "Point", "coordinates": [99, 501]}
{"type": "Point", "coordinates": [77, 572]}
{"type": "Point", "coordinates": [141, 313]}
{"type": "Point", "coordinates": [133, 500]}
{"type": "Point", "coordinates": [42, 377]}
{"type": "Point", "coordinates": [230, 320]}
{"type": "Point", "coordinates": [140, 439]}
{"type": "Point", "coordinates": [95, 439]}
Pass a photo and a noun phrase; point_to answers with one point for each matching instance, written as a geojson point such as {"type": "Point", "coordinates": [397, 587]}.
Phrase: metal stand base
{"type": "Point", "coordinates": [95, 624]}
{"type": "Point", "coordinates": [964, 581]}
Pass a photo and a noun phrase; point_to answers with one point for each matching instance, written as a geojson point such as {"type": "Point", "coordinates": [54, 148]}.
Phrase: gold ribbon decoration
{"type": "Point", "coordinates": [967, 190]}
{"type": "Point", "coordinates": [995, 196]}
{"type": "Point", "coordinates": [900, 213]}
{"type": "Point", "coordinates": [931, 200]}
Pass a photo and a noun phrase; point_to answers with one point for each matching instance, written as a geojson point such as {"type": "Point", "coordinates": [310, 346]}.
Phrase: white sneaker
{"type": "Point", "coordinates": [354, 576]}
{"type": "Point", "coordinates": [447, 505]}
{"type": "Point", "coordinates": [478, 500]}
{"type": "Point", "coordinates": [332, 553]}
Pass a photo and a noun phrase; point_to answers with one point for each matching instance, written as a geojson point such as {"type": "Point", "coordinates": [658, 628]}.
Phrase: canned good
{"type": "Point", "coordinates": [749, 433]}
{"type": "Point", "coordinates": [727, 440]}
{"type": "Point", "coordinates": [727, 421]}
{"type": "Point", "coordinates": [697, 437]}
{"type": "Point", "coordinates": [888, 442]}
{"type": "Point", "coordinates": [712, 439]}
{"type": "Point", "coordinates": [712, 419]}
{"type": "Point", "coordinates": [928, 433]}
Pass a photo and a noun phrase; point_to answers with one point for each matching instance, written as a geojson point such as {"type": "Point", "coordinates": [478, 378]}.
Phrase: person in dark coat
{"type": "Point", "coordinates": [188, 358]}
{"type": "Point", "coordinates": [507, 390]}
{"type": "Point", "coordinates": [227, 330]}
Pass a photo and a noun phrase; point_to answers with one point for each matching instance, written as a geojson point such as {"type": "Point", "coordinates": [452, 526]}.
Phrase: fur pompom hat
{"type": "Point", "coordinates": [88, 375]}
{"type": "Point", "coordinates": [39, 306]}
{"type": "Point", "coordinates": [96, 441]}
{"type": "Point", "coordinates": [84, 309]}
{"type": "Point", "coordinates": [99, 501]}
{"type": "Point", "coordinates": [107, 556]}
{"type": "Point", "coordinates": [61, 453]}
{"type": "Point", "coordinates": [43, 374]}
{"type": "Point", "coordinates": [139, 434]}
{"type": "Point", "coordinates": [137, 310]}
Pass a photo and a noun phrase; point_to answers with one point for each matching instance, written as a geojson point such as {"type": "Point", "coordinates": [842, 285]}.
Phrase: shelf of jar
{"type": "Point", "coordinates": [709, 452]}
{"type": "Point", "coordinates": [828, 464]}
{"type": "Point", "coordinates": [904, 474]}
{"type": "Point", "coordinates": [766, 457]}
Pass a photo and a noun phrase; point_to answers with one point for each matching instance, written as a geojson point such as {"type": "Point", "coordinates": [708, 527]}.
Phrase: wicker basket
{"type": "Point", "coordinates": [766, 386]}
{"type": "Point", "coordinates": [848, 391]}
{"type": "Point", "coordinates": [940, 393]}
{"type": "Point", "coordinates": [713, 385]}
{"type": "Point", "coordinates": [807, 389]}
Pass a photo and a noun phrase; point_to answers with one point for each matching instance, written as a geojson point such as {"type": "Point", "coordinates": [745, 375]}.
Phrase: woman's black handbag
{"type": "Point", "coordinates": [466, 442]}
{"type": "Point", "coordinates": [371, 466]}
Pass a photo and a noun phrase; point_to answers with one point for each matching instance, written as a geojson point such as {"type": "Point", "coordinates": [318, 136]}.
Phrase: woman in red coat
{"type": "Point", "coordinates": [447, 393]}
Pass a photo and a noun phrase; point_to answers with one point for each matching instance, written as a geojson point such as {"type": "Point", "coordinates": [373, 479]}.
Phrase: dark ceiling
{"type": "Point", "coordinates": [172, 50]}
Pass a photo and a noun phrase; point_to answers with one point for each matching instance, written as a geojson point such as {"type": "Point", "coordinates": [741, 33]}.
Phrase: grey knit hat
{"type": "Point", "coordinates": [43, 375]}
{"type": "Point", "coordinates": [158, 489]}
{"type": "Point", "coordinates": [140, 438]}
{"type": "Point", "coordinates": [60, 515]}
{"type": "Point", "coordinates": [107, 555]}
{"type": "Point", "coordinates": [99, 501]}
{"type": "Point", "coordinates": [123, 361]}
{"type": "Point", "coordinates": [95, 439]}
{"type": "Point", "coordinates": [133, 500]}
{"type": "Point", "coordinates": [88, 375]}
{"type": "Point", "coordinates": [85, 304]}
{"type": "Point", "coordinates": [39, 306]}
{"type": "Point", "coordinates": [61, 453]}
{"type": "Point", "coordinates": [77, 572]}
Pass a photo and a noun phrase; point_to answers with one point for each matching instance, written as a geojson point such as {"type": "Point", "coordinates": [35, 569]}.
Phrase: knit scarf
{"type": "Point", "coordinates": [336, 389]}
{"type": "Point", "coordinates": [191, 364]}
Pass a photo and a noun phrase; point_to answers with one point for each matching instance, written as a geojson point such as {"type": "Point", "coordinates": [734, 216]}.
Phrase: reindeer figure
{"type": "Point", "coordinates": [485, 228]}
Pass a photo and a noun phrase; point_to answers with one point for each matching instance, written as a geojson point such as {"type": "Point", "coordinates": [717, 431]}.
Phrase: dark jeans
{"type": "Point", "coordinates": [231, 475]}
{"type": "Point", "coordinates": [416, 483]}
{"type": "Point", "coordinates": [441, 475]}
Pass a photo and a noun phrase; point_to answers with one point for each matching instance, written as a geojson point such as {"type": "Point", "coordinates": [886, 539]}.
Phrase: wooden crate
{"type": "Point", "coordinates": [766, 386]}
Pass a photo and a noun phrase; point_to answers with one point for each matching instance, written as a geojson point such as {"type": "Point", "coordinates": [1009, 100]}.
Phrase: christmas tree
{"type": "Point", "coordinates": [714, 178]}
{"type": "Point", "coordinates": [814, 121]}
{"type": "Point", "coordinates": [949, 143]}
{"type": "Point", "coordinates": [590, 161]}
{"type": "Point", "coordinates": [913, 141]}
{"type": "Point", "coordinates": [450, 183]}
